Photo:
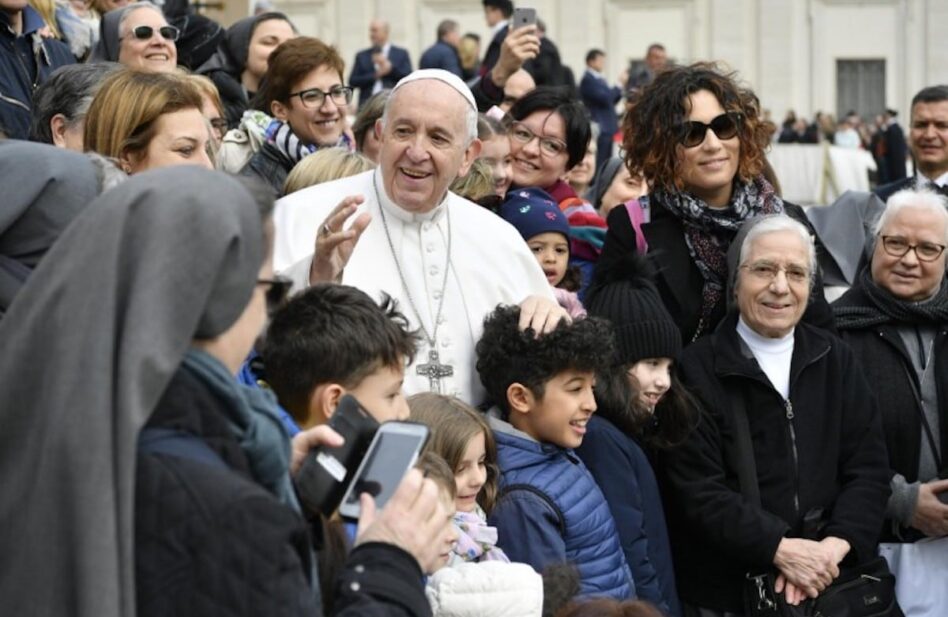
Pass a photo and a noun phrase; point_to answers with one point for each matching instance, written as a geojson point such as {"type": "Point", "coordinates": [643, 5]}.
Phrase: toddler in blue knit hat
{"type": "Point", "coordinates": [546, 230]}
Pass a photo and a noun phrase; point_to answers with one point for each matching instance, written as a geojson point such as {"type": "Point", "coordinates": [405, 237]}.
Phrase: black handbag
{"type": "Point", "coordinates": [866, 590]}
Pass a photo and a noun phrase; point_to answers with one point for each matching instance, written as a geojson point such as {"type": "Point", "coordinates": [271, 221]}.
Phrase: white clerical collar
{"type": "Point", "coordinates": [396, 211]}
{"type": "Point", "coordinates": [762, 343]}
{"type": "Point", "coordinates": [941, 180]}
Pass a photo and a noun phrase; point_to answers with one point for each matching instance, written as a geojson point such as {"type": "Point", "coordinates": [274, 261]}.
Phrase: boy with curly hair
{"type": "Point", "coordinates": [549, 509]}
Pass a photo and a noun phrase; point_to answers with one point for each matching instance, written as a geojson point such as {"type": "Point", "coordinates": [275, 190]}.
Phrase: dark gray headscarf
{"type": "Point", "coordinates": [89, 345]}
{"type": "Point", "coordinates": [45, 188]}
{"type": "Point", "coordinates": [231, 54]}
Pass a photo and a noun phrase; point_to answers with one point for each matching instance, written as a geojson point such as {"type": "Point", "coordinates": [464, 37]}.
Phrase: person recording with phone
{"type": "Point", "coordinates": [154, 483]}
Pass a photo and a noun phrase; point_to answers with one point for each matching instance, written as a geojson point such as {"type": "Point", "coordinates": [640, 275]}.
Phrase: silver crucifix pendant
{"type": "Point", "coordinates": [434, 371]}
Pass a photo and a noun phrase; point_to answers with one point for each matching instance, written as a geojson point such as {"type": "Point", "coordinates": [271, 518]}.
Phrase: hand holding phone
{"type": "Point", "coordinates": [393, 451]}
{"type": "Point", "coordinates": [411, 520]}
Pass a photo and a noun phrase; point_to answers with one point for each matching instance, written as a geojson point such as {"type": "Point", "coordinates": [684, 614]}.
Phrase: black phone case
{"type": "Point", "coordinates": [326, 472]}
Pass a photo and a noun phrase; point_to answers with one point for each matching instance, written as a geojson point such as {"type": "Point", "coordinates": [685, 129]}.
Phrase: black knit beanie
{"type": "Point", "coordinates": [643, 327]}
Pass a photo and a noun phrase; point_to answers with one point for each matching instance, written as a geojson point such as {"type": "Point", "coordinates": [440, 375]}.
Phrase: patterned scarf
{"type": "Point", "coordinates": [280, 135]}
{"type": "Point", "coordinates": [884, 308]}
{"type": "Point", "coordinates": [709, 231]}
{"type": "Point", "coordinates": [477, 541]}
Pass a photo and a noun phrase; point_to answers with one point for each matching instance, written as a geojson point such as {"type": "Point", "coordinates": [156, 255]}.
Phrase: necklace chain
{"type": "Point", "coordinates": [432, 338]}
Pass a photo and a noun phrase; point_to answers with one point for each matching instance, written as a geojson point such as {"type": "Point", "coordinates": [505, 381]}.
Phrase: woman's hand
{"type": "Point", "coordinates": [809, 566]}
{"type": "Point", "coordinates": [334, 245]}
{"type": "Point", "coordinates": [931, 514]}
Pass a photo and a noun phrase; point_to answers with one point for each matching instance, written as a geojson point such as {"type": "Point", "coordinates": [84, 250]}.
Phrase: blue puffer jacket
{"type": "Point", "coordinates": [550, 510]}
{"type": "Point", "coordinates": [26, 60]}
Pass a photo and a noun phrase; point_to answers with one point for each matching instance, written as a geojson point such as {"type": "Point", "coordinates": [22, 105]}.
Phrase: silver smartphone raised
{"type": "Point", "coordinates": [393, 451]}
{"type": "Point", "coordinates": [523, 17]}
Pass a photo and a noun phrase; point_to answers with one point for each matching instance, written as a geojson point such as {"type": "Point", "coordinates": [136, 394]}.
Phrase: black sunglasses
{"type": "Point", "coordinates": [724, 126]}
{"type": "Point", "coordinates": [144, 33]}
{"type": "Point", "coordinates": [278, 288]}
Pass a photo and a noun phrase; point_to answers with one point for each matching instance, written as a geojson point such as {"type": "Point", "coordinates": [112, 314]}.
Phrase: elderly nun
{"type": "Point", "coordinates": [895, 317]}
{"type": "Point", "coordinates": [139, 478]}
{"type": "Point", "coordinates": [813, 434]}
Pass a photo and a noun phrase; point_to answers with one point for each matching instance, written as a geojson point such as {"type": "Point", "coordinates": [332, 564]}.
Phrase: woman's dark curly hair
{"type": "Point", "coordinates": [651, 129]}
{"type": "Point", "coordinates": [507, 355]}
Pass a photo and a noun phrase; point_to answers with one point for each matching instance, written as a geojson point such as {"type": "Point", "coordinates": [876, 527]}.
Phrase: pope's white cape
{"type": "Point", "coordinates": [490, 265]}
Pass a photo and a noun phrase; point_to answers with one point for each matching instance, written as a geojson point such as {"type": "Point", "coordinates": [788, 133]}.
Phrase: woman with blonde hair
{"type": "Point", "coordinates": [325, 166]}
{"type": "Point", "coordinates": [148, 120]}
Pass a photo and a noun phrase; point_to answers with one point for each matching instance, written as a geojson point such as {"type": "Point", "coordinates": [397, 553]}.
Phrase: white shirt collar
{"type": "Point", "coordinates": [594, 72]}
{"type": "Point", "coordinates": [393, 209]}
{"type": "Point", "coordinates": [498, 27]}
{"type": "Point", "coordinates": [941, 180]}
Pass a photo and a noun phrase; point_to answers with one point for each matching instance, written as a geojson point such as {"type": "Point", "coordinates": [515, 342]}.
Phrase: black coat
{"type": "Point", "coordinates": [888, 368]}
{"type": "Point", "coordinates": [233, 96]}
{"type": "Point", "coordinates": [270, 167]}
{"type": "Point", "coordinates": [839, 462]}
{"type": "Point", "coordinates": [677, 276]}
{"type": "Point", "coordinates": [895, 151]}
{"type": "Point", "coordinates": [210, 541]}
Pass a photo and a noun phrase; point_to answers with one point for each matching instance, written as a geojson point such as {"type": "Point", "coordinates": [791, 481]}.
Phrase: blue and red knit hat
{"type": "Point", "coordinates": [533, 212]}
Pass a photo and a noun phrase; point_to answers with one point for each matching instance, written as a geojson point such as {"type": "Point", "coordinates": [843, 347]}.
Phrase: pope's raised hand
{"type": "Point", "coordinates": [334, 244]}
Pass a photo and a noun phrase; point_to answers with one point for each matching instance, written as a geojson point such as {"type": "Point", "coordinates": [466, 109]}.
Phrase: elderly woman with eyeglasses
{"type": "Point", "coordinates": [138, 36]}
{"type": "Point", "coordinates": [895, 317]}
{"type": "Point", "coordinates": [812, 448]}
{"type": "Point", "coordinates": [697, 138]}
{"type": "Point", "coordinates": [300, 108]}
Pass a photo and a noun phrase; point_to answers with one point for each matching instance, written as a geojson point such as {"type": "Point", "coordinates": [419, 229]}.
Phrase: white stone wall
{"type": "Point", "coordinates": [785, 49]}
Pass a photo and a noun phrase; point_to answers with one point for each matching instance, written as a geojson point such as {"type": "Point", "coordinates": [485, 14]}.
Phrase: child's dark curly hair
{"type": "Point", "coordinates": [651, 129]}
{"type": "Point", "coordinates": [508, 355]}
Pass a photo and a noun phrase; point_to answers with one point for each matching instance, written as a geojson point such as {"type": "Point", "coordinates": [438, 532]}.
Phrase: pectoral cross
{"type": "Point", "coordinates": [434, 371]}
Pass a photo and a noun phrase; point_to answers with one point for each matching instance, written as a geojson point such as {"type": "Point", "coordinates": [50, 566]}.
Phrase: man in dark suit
{"type": "Point", "coordinates": [928, 142]}
{"type": "Point", "coordinates": [379, 67]}
{"type": "Point", "coordinates": [497, 13]}
{"type": "Point", "coordinates": [444, 53]}
{"type": "Point", "coordinates": [894, 146]}
{"type": "Point", "coordinates": [600, 99]}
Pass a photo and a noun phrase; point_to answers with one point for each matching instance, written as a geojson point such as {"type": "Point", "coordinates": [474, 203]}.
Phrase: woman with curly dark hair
{"type": "Point", "coordinates": [698, 139]}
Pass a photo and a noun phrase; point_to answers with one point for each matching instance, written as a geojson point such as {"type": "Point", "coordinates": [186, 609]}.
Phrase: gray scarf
{"type": "Point", "coordinates": [89, 346]}
{"type": "Point", "coordinates": [884, 308]}
{"type": "Point", "coordinates": [45, 189]}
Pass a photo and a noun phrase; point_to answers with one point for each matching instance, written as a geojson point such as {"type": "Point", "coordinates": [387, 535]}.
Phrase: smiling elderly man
{"type": "Point", "coordinates": [895, 318]}
{"type": "Point", "coordinates": [446, 260]}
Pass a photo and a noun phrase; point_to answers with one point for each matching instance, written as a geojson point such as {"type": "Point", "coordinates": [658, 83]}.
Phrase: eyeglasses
{"type": "Point", "coordinates": [897, 246]}
{"type": "Point", "coordinates": [768, 271]}
{"type": "Point", "coordinates": [724, 126]}
{"type": "Point", "coordinates": [278, 288]}
{"type": "Point", "coordinates": [144, 33]}
{"type": "Point", "coordinates": [548, 145]}
{"type": "Point", "coordinates": [314, 97]}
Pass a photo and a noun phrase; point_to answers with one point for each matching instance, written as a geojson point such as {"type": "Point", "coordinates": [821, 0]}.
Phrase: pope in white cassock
{"type": "Point", "coordinates": [398, 230]}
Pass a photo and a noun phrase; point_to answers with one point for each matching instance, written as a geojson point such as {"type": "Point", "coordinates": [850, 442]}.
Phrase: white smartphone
{"type": "Point", "coordinates": [393, 451]}
{"type": "Point", "coordinates": [523, 17]}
